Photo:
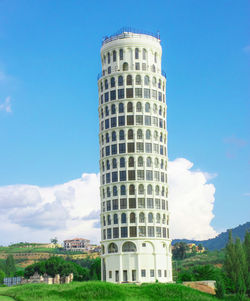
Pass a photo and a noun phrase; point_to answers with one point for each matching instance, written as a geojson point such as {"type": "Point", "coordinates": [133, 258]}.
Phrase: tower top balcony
{"type": "Point", "coordinates": [128, 32]}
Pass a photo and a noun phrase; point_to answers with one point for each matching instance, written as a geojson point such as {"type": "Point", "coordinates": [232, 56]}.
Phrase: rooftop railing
{"type": "Point", "coordinates": [100, 74]}
{"type": "Point", "coordinates": [126, 30]}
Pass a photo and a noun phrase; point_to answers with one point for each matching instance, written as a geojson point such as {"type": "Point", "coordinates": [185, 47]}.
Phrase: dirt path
{"type": "Point", "coordinates": [5, 298]}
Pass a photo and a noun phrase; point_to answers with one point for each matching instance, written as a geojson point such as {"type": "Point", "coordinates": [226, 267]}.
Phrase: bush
{"type": "Point", "coordinates": [2, 275]}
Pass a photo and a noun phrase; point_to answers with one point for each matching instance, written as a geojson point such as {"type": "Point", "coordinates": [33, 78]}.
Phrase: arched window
{"type": "Point", "coordinates": [112, 82]}
{"type": "Point", "coordinates": [164, 218]}
{"type": "Point", "coordinates": [113, 109]}
{"type": "Point", "coordinates": [103, 167]}
{"type": "Point", "coordinates": [109, 219]}
{"type": "Point", "coordinates": [130, 134]}
{"type": "Point", "coordinates": [108, 192]}
{"type": "Point", "coordinates": [147, 107]}
{"type": "Point", "coordinates": [104, 221]}
{"type": "Point", "coordinates": [141, 189]}
{"type": "Point", "coordinates": [160, 137]}
{"type": "Point", "coordinates": [155, 57]}
{"type": "Point", "coordinates": [140, 162]}
{"type": "Point", "coordinates": [102, 113]}
{"type": "Point", "coordinates": [149, 189]}
{"type": "Point", "coordinates": [155, 108]}
{"type": "Point", "coordinates": [114, 163]}
{"type": "Point", "coordinates": [115, 191]}
{"type": "Point", "coordinates": [123, 190]}
{"type": "Point", "coordinates": [106, 84]}
{"type": "Point", "coordinates": [153, 68]}
{"type": "Point", "coordinates": [114, 136]}
{"type": "Point", "coordinates": [101, 87]}
{"type": "Point", "coordinates": [160, 110]}
{"type": "Point", "coordinates": [114, 56]}
{"type": "Point", "coordinates": [138, 79]}
{"type": "Point", "coordinates": [107, 137]}
{"type": "Point", "coordinates": [131, 189]}
{"type": "Point", "coordinates": [121, 54]}
{"type": "Point", "coordinates": [129, 80]}
{"type": "Point", "coordinates": [144, 54]}
{"type": "Point", "coordinates": [157, 190]}
{"type": "Point", "coordinates": [104, 58]}
{"type": "Point", "coordinates": [156, 135]}
{"type": "Point", "coordinates": [121, 135]}
{"type": "Point", "coordinates": [130, 107]}
{"type": "Point", "coordinates": [159, 84]}
{"type": "Point", "coordinates": [121, 108]}
{"type": "Point", "coordinates": [150, 217]}
{"type": "Point", "coordinates": [136, 53]}
{"type": "Point", "coordinates": [107, 165]}
{"type": "Point", "coordinates": [148, 134]}
{"type": "Point", "coordinates": [132, 218]}
{"type": "Point", "coordinates": [115, 219]}
{"type": "Point", "coordinates": [120, 81]}
{"type": "Point", "coordinates": [138, 107]}
{"type": "Point", "coordinates": [139, 134]}
{"type": "Point", "coordinates": [149, 162]}
{"type": "Point", "coordinates": [141, 217]}
{"type": "Point", "coordinates": [128, 247]}
{"type": "Point", "coordinates": [146, 80]}
{"type": "Point", "coordinates": [103, 249]}
{"type": "Point", "coordinates": [131, 162]}
{"type": "Point", "coordinates": [123, 218]}
{"type": "Point", "coordinates": [162, 191]}
{"type": "Point", "coordinates": [125, 67]}
{"type": "Point", "coordinates": [122, 162]}
{"type": "Point", "coordinates": [108, 58]}
{"type": "Point", "coordinates": [158, 218]}
{"type": "Point", "coordinates": [154, 82]}
{"type": "Point", "coordinates": [106, 111]}
{"type": "Point", "coordinates": [112, 248]}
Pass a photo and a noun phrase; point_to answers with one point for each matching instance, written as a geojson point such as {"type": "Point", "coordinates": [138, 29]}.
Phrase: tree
{"type": "Point", "coordinates": [2, 275]}
{"type": "Point", "coordinates": [246, 247]}
{"type": "Point", "coordinates": [241, 270]}
{"type": "Point", "coordinates": [179, 251]}
{"type": "Point", "coordinates": [230, 263]}
{"type": "Point", "coordinates": [235, 267]}
{"type": "Point", "coordinates": [10, 267]}
{"type": "Point", "coordinates": [54, 240]}
{"type": "Point", "coordinates": [220, 288]}
{"type": "Point", "coordinates": [200, 247]}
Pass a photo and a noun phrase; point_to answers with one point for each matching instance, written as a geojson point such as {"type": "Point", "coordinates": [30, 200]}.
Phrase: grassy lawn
{"type": "Point", "coordinates": [78, 291]}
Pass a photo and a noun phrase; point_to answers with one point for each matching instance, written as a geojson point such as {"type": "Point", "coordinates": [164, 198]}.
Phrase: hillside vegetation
{"type": "Point", "coordinates": [105, 291]}
{"type": "Point", "coordinates": [220, 241]}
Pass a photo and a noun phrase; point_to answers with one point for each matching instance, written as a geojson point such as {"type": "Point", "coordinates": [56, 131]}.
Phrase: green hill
{"type": "Point", "coordinates": [83, 291]}
{"type": "Point", "coordinates": [220, 241]}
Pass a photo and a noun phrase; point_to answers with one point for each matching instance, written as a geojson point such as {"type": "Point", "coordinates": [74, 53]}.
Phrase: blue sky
{"type": "Point", "coordinates": [49, 60]}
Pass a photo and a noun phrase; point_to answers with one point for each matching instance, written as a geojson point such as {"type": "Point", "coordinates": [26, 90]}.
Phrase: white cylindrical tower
{"type": "Point", "coordinates": [133, 160]}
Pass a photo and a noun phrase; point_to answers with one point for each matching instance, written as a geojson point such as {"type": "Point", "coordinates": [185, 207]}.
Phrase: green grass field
{"type": "Point", "coordinates": [78, 291]}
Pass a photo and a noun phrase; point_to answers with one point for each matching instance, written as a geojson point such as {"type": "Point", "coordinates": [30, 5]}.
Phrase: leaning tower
{"type": "Point", "coordinates": [133, 160]}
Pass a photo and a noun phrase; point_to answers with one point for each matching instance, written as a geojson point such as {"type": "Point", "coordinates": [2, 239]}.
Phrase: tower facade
{"type": "Point", "coordinates": [133, 160]}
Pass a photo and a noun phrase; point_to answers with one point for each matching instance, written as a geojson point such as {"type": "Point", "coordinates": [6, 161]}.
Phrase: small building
{"type": "Point", "coordinates": [76, 244]}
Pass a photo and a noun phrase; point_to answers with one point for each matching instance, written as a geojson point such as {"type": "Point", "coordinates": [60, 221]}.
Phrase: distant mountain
{"type": "Point", "coordinates": [220, 241]}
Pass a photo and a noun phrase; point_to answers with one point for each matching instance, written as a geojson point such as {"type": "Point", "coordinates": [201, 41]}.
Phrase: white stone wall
{"type": "Point", "coordinates": [145, 155]}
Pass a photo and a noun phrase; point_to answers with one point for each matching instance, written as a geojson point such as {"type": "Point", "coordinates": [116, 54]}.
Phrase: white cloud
{"type": "Point", "coordinates": [191, 201]}
{"type": "Point", "coordinates": [33, 213]}
{"type": "Point", "coordinates": [6, 105]}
